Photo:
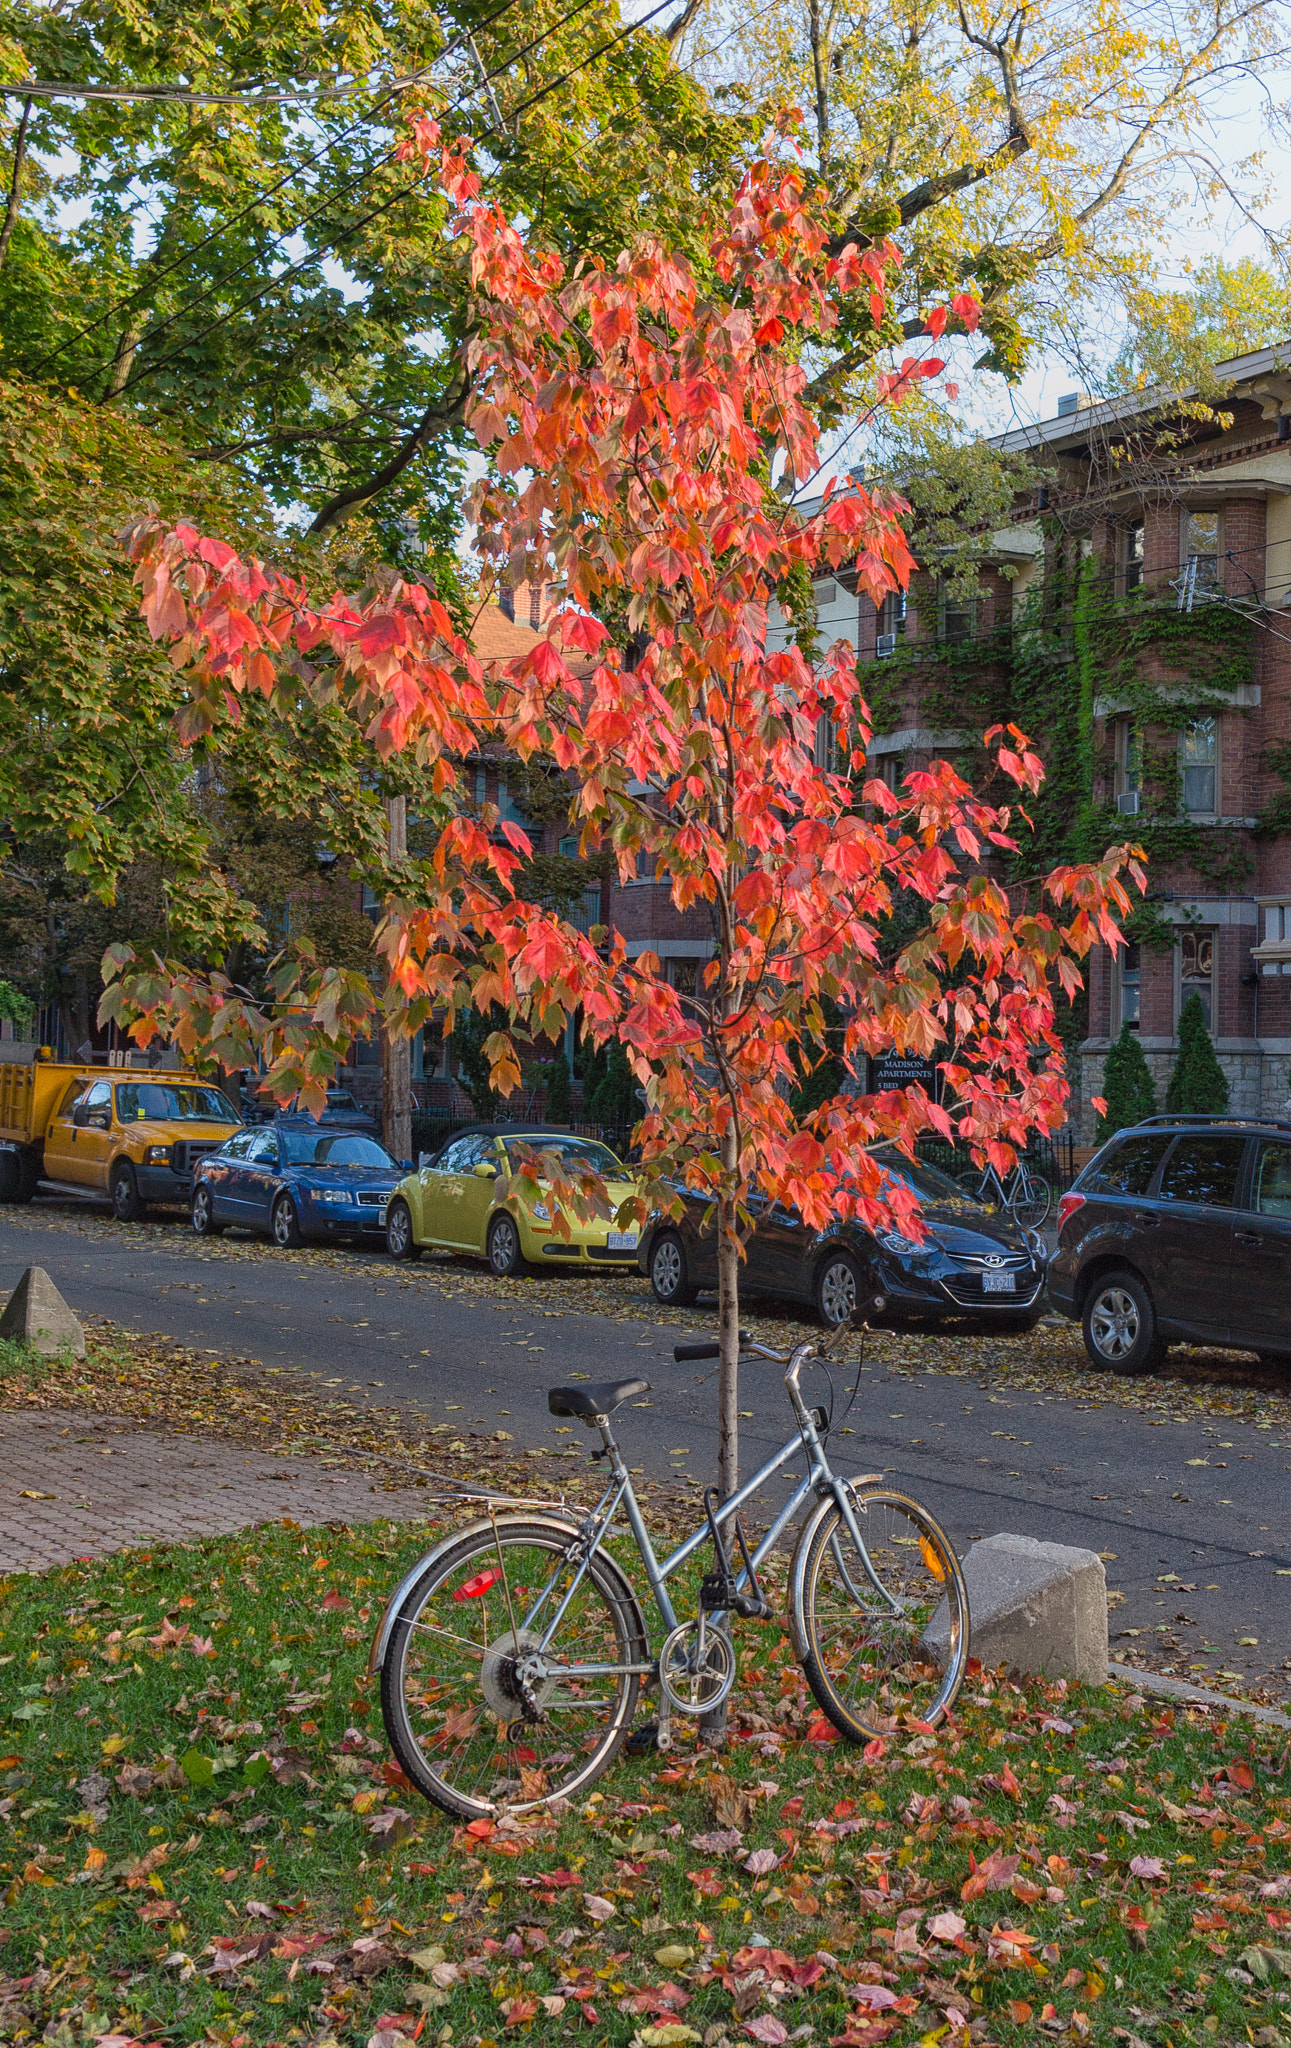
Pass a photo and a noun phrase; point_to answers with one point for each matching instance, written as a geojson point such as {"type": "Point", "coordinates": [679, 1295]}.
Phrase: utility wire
{"type": "Point", "coordinates": [284, 277]}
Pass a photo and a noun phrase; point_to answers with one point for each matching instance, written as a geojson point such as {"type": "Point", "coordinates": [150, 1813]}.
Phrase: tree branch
{"type": "Point", "coordinates": [439, 414]}
{"type": "Point", "coordinates": [674, 30]}
{"type": "Point", "coordinates": [15, 182]}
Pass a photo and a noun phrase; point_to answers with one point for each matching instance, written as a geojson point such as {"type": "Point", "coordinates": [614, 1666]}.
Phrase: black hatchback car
{"type": "Point", "coordinates": [1179, 1231]}
{"type": "Point", "coordinates": [975, 1260]}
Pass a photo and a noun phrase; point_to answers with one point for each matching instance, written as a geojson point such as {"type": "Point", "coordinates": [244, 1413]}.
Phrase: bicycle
{"type": "Point", "coordinates": [513, 1654]}
{"type": "Point", "coordinates": [1026, 1198]}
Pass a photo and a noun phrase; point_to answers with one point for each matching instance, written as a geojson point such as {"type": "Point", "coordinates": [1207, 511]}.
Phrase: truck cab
{"type": "Point", "coordinates": [135, 1137]}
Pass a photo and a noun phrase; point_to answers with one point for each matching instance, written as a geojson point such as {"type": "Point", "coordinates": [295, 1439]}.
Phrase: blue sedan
{"type": "Point", "coordinates": [295, 1180]}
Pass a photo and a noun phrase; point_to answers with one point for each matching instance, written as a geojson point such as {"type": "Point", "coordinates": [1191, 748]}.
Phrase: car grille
{"type": "Point", "coordinates": [372, 1198]}
{"type": "Point", "coordinates": [564, 1251]}
{"type": "Point", "coordinates": [967, 1288]}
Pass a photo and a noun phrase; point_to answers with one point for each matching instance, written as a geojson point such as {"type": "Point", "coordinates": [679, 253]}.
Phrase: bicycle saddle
{"type": "Point", "coordinates": [601, 1399]}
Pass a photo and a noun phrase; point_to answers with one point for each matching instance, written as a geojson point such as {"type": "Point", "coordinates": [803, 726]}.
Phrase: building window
{"type": "Point", "coordinates": [569, 847]}
{"type": "Point", "coordinates": [1132, 561]}
{"type": "Point", "coordinates": [1197, 970]}
{"type": "Point", "coordinates": [1129, 765]}
{"type": "Point", "coordinates": [1199, 766]}
{"type": "Point", "coordinates": [958, 620]}
{"type": "Point", "coordinates": [1201, 551]}
{"type": "Point", "coordinates": [891, 625]}
{"type": "Point", "coordinates": [480, 784]}
{"type": "Point", "coordinates": [890, 771]}
{"type": "Point", "coordinates": [683, 975]}
{"type": "Point", "coordinates": [1129, 977]}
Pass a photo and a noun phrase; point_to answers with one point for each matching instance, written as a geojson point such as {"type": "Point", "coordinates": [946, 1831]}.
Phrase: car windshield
{"type": "Point", "coordinates": [340, 1098]}
{"type": "Point", "coordinates": [928, 1182]}
{"type": "Point", "coordinates": [137, 1100]}
{"type": "Point", "coordinates": [581, 1154]}
{"type": "Point", "coordinates": [331, 1148]}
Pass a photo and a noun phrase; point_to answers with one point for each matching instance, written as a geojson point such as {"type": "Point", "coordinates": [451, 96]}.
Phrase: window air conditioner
{"type": "Point", "coordinates": [1127, 803]}
{"type": "Point", "coordinates": [886, 644]}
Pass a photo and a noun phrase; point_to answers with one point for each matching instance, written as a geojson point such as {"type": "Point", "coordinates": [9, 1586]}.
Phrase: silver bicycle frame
{"type": "Point", "coordinates": [819, 1480]}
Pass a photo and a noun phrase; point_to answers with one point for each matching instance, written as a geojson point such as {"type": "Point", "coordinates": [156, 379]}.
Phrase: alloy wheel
{"type": "Point", "coordinates": [1114, 1324]}
{"type": "Point", "coordinates": [665, 1269]}
{"type": "Point", "coordinates": [838, 1292]}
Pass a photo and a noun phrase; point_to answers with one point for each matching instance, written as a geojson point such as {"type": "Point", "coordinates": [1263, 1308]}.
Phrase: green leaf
{"type": "Point", "coordinates": [198, 1769]}
{"type": "Point", "coordinates": [31, 1712]}
{"type": "Point", "coordinates": [256, 1769]}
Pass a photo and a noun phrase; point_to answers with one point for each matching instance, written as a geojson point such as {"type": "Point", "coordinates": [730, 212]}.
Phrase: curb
{"type": "Point", "coordinates": [1179, 1689]}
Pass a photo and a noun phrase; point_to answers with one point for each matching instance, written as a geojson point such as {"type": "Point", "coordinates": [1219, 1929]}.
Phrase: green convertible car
{"type": "Point", "coordinates": [455, 1204]}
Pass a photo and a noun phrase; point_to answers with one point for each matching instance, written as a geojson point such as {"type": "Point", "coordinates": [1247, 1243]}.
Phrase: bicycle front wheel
{"type": "Point", "coordinates": [1030, 1205]}
{"type": "Point", "coordinates": [884, 1629]}
{"type": "Point", "coordinates": [478, 1714]}
{"type": "Point", "coordinates": [974, 1185]}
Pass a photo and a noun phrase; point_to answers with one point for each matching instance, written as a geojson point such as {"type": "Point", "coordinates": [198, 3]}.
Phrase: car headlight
{"type": "Point", "coordinates": [333, 1195]}
{"type": "Point", "coordinates": [159, 1155]}
{"type": "Point", "coordinates": [892, 1241]}
{"type": "Point", "coordinates": [541, 1211]}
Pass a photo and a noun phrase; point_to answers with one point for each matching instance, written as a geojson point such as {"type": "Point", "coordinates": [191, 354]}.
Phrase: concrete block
{"type": "Point", "coordinates": [37, 1315]}
{"type": "Point", "coordinates": [1039, 1606]}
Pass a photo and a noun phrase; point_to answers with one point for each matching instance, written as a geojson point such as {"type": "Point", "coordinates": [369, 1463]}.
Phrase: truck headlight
{"type": "Point", "coordinates": [159, 1155]}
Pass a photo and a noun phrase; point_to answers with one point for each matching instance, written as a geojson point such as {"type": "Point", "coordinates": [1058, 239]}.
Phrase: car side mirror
{"type": "Point", "coordinates": [485, 1171]}
{"type": "Point", "coordinates": [406, 1165]}
{"type": "Point", "coordinates": [80, 1116]}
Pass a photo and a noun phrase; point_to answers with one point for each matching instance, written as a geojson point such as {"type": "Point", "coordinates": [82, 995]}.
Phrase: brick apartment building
{"type": "Point", "coordinates": [1135, 618]}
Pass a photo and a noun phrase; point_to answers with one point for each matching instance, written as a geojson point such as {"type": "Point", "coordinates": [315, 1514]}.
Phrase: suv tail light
{"type": "Point", "coordinates": [1068, 1207]}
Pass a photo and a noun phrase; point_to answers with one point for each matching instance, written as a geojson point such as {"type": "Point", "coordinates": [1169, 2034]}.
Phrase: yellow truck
{"type": "Point", "coordinates": [130, 1133]}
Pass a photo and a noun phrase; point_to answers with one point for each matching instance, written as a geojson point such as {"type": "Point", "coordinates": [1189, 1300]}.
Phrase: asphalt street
{"type": "Point", "coordinates": [1189, 1516]}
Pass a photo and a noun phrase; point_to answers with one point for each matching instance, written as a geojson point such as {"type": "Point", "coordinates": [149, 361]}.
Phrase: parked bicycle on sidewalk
{"type": "Point", "coordinates": [513, 1655]}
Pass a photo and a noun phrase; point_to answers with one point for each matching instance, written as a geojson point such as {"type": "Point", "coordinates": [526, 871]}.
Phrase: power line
{"type": "Point", "coordinates": [177, 95]}
{"type": "Point", "coordinates": [223, 227]}
{"type": "Point", "coordinates": [284, 277]}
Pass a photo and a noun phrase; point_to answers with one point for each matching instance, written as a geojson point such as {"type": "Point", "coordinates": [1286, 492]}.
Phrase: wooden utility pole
{"type": "Point", "coordinates": [396, 1050]}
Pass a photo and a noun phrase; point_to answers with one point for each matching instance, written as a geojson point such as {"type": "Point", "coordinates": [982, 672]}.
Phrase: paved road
{"type": "Point", "coordinates": [1191, 1516]}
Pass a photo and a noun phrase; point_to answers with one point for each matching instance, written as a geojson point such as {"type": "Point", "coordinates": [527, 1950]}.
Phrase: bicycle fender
{"type": "Point", "coordinates": [483, 1527]}
{"type": "Point", "coordinates": [798, 1566]}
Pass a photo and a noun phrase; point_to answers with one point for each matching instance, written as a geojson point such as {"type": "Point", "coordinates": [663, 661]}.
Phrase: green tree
{"type": "Point", "coordinates": [263, 279]}
{"type": "Point", "coordinates": [1127, 1086]}
{"type": "Point", "coordinates": [614, 1101]}
{"type": "Point", "coordinates": [1197, 1085]}
{"type": "Point", "coordinates": [560, 1101]}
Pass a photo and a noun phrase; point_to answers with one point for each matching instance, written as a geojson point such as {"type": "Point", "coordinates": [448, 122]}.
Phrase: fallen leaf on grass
{"type": "Point", "coordinates": [598, 1909]}
{"type": "Point", "coordinates": [767, 2029]}
{"type": "Point", "coordinates": [1147, 1866]}
{"type": "Point", "coordinates": [761, 1862]}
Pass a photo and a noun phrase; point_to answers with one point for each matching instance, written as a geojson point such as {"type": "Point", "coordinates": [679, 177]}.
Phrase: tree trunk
{"type": "Point", "coordinates": [712, 1727]}
{"type": "Point", "coordinates": [396, 1050]}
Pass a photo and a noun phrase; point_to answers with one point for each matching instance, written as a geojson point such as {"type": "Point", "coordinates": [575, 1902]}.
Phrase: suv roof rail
{"type": "Point", "coordinates": [1277, 1123]}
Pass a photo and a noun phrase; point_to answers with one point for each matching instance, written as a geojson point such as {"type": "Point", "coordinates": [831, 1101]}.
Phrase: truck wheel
{"type": "Point", "coordinates": [10, 1174]}
{"type": "Point", "coordinates": [128, 1205]}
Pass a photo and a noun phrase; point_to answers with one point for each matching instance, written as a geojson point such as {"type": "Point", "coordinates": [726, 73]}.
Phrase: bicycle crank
{"type": "Point", "coordinates": [696, 1668]}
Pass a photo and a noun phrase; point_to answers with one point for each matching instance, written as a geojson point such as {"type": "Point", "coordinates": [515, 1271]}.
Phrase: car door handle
{"type": "Point", "coordinates": [1148, 1221]}
{"type": "Point", "coordinates": [1247, 1237]}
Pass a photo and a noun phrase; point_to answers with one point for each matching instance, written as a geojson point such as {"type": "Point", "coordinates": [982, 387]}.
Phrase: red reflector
{"type": "Point", "coordinates": [1068, 1207]}
{"type": "Point", "coordinates": [471, 1589]}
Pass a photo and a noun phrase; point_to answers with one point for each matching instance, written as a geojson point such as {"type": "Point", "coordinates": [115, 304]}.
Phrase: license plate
{"type": "Point", "coordinates": [622, 1240]}
{"type": "Point", "coordinates": [999, 1283]}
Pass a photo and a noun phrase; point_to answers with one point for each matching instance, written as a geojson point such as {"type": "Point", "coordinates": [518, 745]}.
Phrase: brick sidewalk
{"type": "Point", "coordinates": [76, 1485]}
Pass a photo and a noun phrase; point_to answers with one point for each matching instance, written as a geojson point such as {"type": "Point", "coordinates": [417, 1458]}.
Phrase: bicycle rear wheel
{"type": "Point", "coordinates": [884, 1631]}
{"type": "Point", "coordinates": [1031, 1205]}
{"type": "Point", "coordinates": [454, 1676]}
{"type": "Point", "coordinates": [973, 1184]}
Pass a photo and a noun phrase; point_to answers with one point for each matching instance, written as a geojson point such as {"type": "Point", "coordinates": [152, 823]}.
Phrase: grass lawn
{"type": "Point", "coordinates": [202, 1840]}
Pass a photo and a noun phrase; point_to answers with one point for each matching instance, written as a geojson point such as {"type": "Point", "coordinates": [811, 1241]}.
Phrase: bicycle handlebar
{"type": "Point", "coordinates": [684, 1352]}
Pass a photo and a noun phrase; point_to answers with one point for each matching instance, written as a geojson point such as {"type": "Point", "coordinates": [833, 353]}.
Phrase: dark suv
{"type": "Point", "coordinates": [1179, 1231]}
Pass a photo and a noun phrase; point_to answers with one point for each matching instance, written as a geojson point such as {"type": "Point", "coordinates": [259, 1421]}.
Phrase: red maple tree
{"type": "Point", "coordinates": [647, 429]}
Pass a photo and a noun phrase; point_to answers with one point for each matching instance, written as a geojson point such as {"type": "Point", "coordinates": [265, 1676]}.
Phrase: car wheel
{"type": "Point", "coordinates": [203, 1213]}
{"type": "Point", "coordinates": [127, 1205]}
{"type": "Point", "coordinates": [400, 1242]}
{"type": "Point", "coordinates": [1119, 1326]}
{"type": "Point", "coordinates": [505, 1255]}
{"type": "Point", "coordinates": [285, 1224]}
{"type": "Point", "coordinates": [670, 1271]}
{"type": "Point", "coordinates": [838, 1289]}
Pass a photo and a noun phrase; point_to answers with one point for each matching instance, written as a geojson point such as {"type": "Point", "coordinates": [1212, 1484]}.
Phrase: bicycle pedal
{"type": "Point", "coordinates": [643, 1740]}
